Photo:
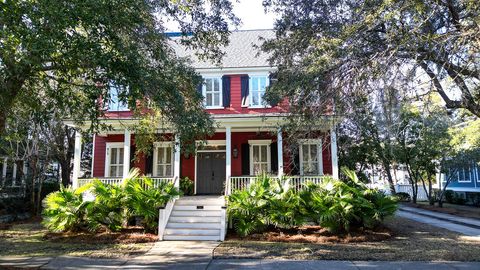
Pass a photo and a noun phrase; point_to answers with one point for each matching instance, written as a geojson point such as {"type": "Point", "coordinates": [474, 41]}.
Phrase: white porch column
{"type": "Point", "coordinates": [176, 164]}
{"type": "Point", "coordinates": [24, 171]}
{"type": "Point", "coordinates": [333, 144]}
{"type": "Point", "coordinates": [14, 173]}
{"type": "Point", "coordinates": [228, 158]}
{"type": "Point", "coordinates": [126, 153]}
{"type": "Point", "coordinates": [76, 159]}
{"type": "Point", "coordinates": [280, 152]}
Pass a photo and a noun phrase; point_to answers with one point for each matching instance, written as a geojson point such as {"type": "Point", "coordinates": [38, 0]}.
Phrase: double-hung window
{"type": "Point", "coordinates": [260, 157]}
{"type": "Point", "coordinates": [311, 157]}
{"type": "Point", "coordinates": [212, 91]}
{"type": "Point", "coordinates": [258, 86]}
{"type": "Point", "coordinates": [114, 164]}
{"type": "Point", "coordinates": [114, 103]}
{"type": "Point", "coordinates": [162, 159]}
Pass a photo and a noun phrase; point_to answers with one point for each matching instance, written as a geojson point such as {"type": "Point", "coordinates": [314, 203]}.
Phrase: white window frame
{"type": "Point", "coordinates": [477, 173]}
{"type": "Point", "coordinates": [120, 105]}
{"type": "Point", "coordinates": [204, 92]}
{"type": "Point", "coordinates": [267, 143]}
{"type": "Point", "coordinates": [318, 143]}
{"type": "Point", "coordinates": [109, 146]}
{"type": "Point", "coordinates": [250, 91]}
{"type": "Point", "coordinates": [157, 145]}
{"type": "Point", "coordinates": [462, 179]}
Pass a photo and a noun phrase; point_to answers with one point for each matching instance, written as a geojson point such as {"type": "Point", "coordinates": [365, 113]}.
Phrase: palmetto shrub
{"type": "Point", "coordinates": [66, 210]}
{"type": "Point", "coordinates": [144, 200]}
{"type": "Point", "coordinates": [336, 205]}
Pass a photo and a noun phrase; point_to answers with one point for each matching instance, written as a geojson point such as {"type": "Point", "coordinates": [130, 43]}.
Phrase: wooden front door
{"type": "Point", "coordinates": [210, 172]}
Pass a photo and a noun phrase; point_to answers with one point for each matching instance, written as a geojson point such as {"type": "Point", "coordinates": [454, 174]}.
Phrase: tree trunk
{"type": "Point", "coordinates": [34, 176]}
{"type": "Point", "coordinates": [386, 166]}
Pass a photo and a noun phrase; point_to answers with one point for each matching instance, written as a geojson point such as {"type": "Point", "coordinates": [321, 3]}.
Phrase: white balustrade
{"type": "Point", "coordinates": [297, 182]}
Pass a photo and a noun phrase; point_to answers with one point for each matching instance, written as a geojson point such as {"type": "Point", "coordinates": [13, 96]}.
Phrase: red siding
{"type": "Point", "coordinates": [326, 155]}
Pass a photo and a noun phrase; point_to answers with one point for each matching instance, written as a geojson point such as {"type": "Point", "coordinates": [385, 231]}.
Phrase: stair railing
{"type": "Point", "coordinates": [164, 213]}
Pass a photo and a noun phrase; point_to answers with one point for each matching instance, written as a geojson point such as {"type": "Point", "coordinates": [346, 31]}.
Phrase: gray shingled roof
{"type": "Point", "coordinates": [240, 52]}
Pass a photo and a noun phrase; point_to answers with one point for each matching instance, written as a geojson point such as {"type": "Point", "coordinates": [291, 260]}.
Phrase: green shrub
{"type": "Point", "coordinates": [143, 200]}
{"type": "Point", "coordinates": [186, 186]}
{"type": "Point", "coordinates": [336, 205]}
{"type": "Point", "coordinates": [403, 197]}
{"type": "Point", "coordinates": [66, 210]}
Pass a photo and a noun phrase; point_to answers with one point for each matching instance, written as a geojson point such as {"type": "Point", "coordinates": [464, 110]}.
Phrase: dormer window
{"type": "Point", "coordinates": [258, 86]}
{"type": "Point", "coordinates": [212, 91]}
{"type": "Point", "coordinates": [115, 104]}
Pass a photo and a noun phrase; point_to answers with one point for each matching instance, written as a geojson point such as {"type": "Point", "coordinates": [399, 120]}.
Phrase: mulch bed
{"type": "Point", "coordinates": [131, 235]}
{"type": "Point", "coordinates": [315, 234]}
{"type": "Point", "coordinates": [461, 211]}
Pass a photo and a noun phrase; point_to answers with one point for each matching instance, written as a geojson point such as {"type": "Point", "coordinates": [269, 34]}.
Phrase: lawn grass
{"type": "Point", "coordinates": [28, 239]}
{"type": "Point", "coordinates": [448, 208]}
{"type": "Point", "coordinates": [411, 241]}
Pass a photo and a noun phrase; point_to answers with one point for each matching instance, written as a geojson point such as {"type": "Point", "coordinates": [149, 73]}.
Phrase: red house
{"type": "Point", "coordinates": [247, 141]}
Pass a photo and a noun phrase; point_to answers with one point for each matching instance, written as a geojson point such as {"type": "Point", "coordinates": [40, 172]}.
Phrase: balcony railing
{"type": "Point", "coordinates": [118, 181]}
{"type": "Point", "coordinates": [296, 181]}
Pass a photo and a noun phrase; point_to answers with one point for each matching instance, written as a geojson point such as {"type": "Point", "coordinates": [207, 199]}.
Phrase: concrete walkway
{"type": "Point", "coordinates": [465, 226]}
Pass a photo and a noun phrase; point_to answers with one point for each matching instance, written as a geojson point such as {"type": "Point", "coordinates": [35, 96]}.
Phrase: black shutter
{"type": "Point", "coordinates": [226, 91]}
{"type": "Point", "coordinates": [245, 159]}
{"type": "Point", "coordinates": [272, 77]}
{"type": "Point", "coordinates": [132, 156]}
{"type": "Point", "coordinates": [274, 157]}
{"type": "Point", "coordinates": [244, 81]}
{"type": "Point", "coordinates": [149, 163]}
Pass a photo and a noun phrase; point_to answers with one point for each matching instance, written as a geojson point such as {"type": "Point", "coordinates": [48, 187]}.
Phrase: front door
{"type": "Point", "coordinates": [210, 172]}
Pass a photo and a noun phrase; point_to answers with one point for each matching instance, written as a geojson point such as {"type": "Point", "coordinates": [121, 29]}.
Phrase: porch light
{"type": "Point", "coordinates": [235, 152]}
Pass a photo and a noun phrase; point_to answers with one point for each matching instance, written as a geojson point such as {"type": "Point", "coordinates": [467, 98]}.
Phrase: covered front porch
{"type": "Point", "coordinates": [229, 160]}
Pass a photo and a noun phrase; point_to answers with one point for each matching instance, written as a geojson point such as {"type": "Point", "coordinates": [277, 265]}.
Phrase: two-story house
{"type": "Point", "coordinates": [247, 141]}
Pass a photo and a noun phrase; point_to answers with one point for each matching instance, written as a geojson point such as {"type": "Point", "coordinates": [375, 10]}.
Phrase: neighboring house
{"type": "Point", "coordinates": [247, 141]}
{"type": "Point", "coordinates": [464, 180]}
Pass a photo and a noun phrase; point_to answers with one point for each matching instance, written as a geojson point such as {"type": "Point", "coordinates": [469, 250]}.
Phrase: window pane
{"type": "Point", "coordinates": [263, 153]}
{"type": "Point", "coordinates": [313, 152]}
{"type": "Point", "coordinates": [168, 169]}
{"type": "Point", "coordinates": [119, 171]}
{"type": "Point", "coordinates": [208, 85]}
{"type": "Point", "coordinates": [216, 85]}
{"type": "Point", "coordinates": [160, 155]}
{"type": "Point", "coordinates": [216, 100]}
{"type": "Point", "coordinates": [113, 171]}
{"type": "Point", "coordinates": [255, 100]}
{"type": "Point", "coordinates": [263, 83]}
{"type": "Point", "coordinates": [305, 153]}
{"type": "Point", "coordinates": [254, 84]}
{"type": "Point", "coordinates": [113, 156]}
{"type": "Point", "coordinates": [209, 100]}
{"type": "Point", "coordinates": [169, 155]}
{"type": "Point", "coordinates": [255, 153]}
{"type": "Point", "coordinates": [120, 157]}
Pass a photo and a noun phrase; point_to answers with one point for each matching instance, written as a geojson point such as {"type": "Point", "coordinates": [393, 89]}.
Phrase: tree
{"type": "Point", "coordinates": [72, 52]}
{"type": "Point", "coordinates": [422, 142]}
{"type": "Point", "coordinates": [331, 49]}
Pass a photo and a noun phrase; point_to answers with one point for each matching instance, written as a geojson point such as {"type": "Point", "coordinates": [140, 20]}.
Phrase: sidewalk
{"type": "Point", "coordinates": [465, 226]}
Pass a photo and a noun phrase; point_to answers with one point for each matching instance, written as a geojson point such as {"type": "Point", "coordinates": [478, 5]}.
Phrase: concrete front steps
{"type": "Point", "coordinates": [196, 218]}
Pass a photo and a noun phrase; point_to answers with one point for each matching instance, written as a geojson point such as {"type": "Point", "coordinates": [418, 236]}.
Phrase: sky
{"type": "Point", "coordinates": [250, 12]}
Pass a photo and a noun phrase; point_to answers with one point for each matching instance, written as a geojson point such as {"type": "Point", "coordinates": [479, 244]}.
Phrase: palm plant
{"type": "Point", "coordinates": [143, 199]}
{"type": "Point", "coordinates": [108, 206]}
{"type": "Point", "coordinates": [65, 210]}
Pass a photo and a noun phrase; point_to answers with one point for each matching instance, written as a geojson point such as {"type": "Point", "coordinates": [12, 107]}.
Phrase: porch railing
{"type": "Point", "coordinates": [296, 181]}
{"type": "Point", "coordinates": [118, 181]}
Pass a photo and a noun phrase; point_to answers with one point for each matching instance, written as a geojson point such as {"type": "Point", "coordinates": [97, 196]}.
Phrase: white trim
{"type": "Point", "coordinates": [228, 154]}
{"type": "Point", "coordinates": [77, 156]}
{"type": "Point", "coordinates": [212, 142]}
{"type": "Point", "coordinates": [204, 93]}
{"type": "Point", "coordinates": [93, 153]}
{"type": "Point", "coordinates": [126, 153]}
{"type": "Point", "coordinates": [267, 143]}
{"type": "Point", "coordinates": [235, 70]}
{"type": "Point", "coordinates": [463, 179]}
{"type": "Point", "coordinates": [262, 104]}
{"type": "Point", "coordinates": [108, 146]}
{"type": "Point", "coordinates": [280, 152]}
{"type": "Point", "coordinates": [318, 143]}
{"type": "Point", "coordinates": [334, 154]}
{"type": "Point", "coordinates": [155, 157]}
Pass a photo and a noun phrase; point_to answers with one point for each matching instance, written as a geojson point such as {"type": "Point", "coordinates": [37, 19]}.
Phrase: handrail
{"type": "Point", "coordinates": [164, 213]}
{"type": "Point", "coordinates": [296, 181]}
